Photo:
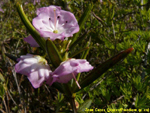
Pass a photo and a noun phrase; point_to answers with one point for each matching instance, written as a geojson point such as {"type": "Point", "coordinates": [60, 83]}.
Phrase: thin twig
{"type": "Point", "coordinates": [5, 105]}
{"type": "Point", "coordinates": [2, 111]}
{"type": "Point", "coordinates": [15, 77]}
{"type": "Point", "coordinates": [97, 17]}
{"type": "Point", "coordinates": [118, 99]}
{"type": "Point", "coordinates": [14, 74]}
{"type": "Point", "coordinates": [11, 97]}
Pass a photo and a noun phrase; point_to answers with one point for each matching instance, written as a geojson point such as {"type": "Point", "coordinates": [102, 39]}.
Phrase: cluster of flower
{"type": "Point", "coordinates": [54, 23]}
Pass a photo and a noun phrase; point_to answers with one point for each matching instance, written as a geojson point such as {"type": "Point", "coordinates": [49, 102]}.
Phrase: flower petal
{"type": "Point", "coordinates": [62, 79]}
{"type": "Point", "coordinates": [71, 25]}
{"type": "Point", "coordinates": [46, 9]}
{"type": "Point", "coordinates": [35, 68]}
{"type": "Point", "coordinates": [31, 41]}
{"type": "Point", "coordinates": [35, 79]}
{"type": "Point", "coordinates": [22, 68]}
{"type": "Point", "coordinates": [52, 36]}
{"type": "Point", "coordinates": [67, 69]}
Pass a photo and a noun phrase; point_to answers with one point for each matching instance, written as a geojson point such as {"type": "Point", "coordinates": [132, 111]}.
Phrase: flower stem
{"type": "Point", "coordinates": [72, 101]}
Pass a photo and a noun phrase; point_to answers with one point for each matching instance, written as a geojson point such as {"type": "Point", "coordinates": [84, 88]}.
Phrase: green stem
{"type": "Point", "coordinates": [72, 102]}
{"type": "Point", "coordinates": [35, 34]}
{"type": "Point", "coordinates": [70, 96]}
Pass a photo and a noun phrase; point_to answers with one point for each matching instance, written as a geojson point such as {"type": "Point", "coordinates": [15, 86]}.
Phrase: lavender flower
{"type": "Point", "coordinates": [34, 67]}
{"type": "Point", "coordinates": [38, 71]}
{"type": "Point", "coordinates": [55, 23]}
{"type": "Point", "coordinates": [68, 70]}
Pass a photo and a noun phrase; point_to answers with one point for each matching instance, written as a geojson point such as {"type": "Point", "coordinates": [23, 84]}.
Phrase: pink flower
{"type": "Point", "coordinates": [34, 67]}
{"type": "Point", "coordinates": [37, 70]}
{"type": "Point", "coordinates": [68, 70]}
{"type": "Point", "coordinates": [54, 23]}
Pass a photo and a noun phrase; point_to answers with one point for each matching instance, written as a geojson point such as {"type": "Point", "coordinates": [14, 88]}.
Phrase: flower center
{"type": "Point", "coordinates": [55, 31]}
{"type": "Point", "coordinates": [40, 59]}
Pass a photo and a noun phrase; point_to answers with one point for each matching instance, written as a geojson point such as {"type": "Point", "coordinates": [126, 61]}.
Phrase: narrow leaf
{"type": "Point", "coordinates": [2, 77]}
{"type": "Point", "coordinates": [79, 51]}
{"type": "Point", "coordinates": [84, 55]}
{"type": "Point", "coordinates": [85, 106]}
{"type": "Point", "coordinates": [97, 72]}
{"type": "Point", "coordinates": [35, 34]}
{"type": "Point", "coordinates": [82, 20]}
{"type": "Point", "coordinates": [53, 53]}
{"type": "Point", "coordinates": [78, 40]}
{"type": "Point", "coordinates": [2, 91]}
{"type": "Point", "coordinates": [11, 57]}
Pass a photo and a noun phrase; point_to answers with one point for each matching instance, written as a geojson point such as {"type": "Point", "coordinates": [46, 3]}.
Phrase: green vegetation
{"type": "Point", "coordinates": [111, 27]}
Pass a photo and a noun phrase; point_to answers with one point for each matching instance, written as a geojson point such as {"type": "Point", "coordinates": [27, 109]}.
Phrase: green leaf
{"type": "Point", "coordinates": [85, 106]}
{"type": "Point", "coordinates": [113, 12]}
{"type": "Point", "coordinates": [82, 20]}
{"type": "Point", "coordinates": [2, 90]}
{"type": "Point", "coordinates": [84, 55]}
{"type": "Point", "coordinates": [137, 83]}
{"type": "Point", "coordinates": [79, 51]}
{"type": "Point", "coordinates": [142, 102]}
{"type": "Point", "coordinates": [78, 40]}
{"type": "Point", "coordinates": [11, 57]}
{"type": "Point", "coordinates": [2, 77]}
{"type": "Point", "coordinates": [35, 34]}
{"type": "Point", "coordinates": [97, 72]}
{"type": "Point", "coordinates": [53, 53]}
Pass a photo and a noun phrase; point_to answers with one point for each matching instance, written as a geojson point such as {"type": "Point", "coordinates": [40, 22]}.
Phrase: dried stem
{"type": "Point", "coordinates": [5, 105]}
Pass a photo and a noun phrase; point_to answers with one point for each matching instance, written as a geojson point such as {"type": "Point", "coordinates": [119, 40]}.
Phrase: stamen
{"type": "Point", "coordinates": [68, 45]}
{"type": "Point", "coordinates": [55, 31]}
{"type": "Point", "coordinates": [41, 60]}
{"type": "Point", "coordinates": [55, 18]}
{"type": "Point", "coordinates": [76, 81]}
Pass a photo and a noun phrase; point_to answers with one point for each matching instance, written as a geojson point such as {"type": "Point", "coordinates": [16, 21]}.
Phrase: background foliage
{"type": "Point", "coordinates": [113, 26]}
